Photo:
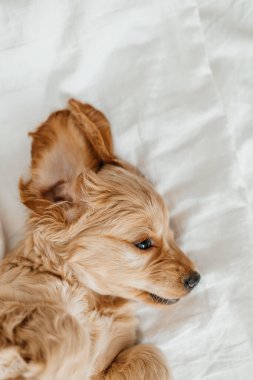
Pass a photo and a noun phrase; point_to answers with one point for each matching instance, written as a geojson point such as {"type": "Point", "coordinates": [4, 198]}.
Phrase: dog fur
{"type": "Point", "coordinates": [68, 291]}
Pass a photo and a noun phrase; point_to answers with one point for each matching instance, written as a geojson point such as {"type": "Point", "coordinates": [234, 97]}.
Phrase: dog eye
{"type": "Point", "coordinates": [145, 244]}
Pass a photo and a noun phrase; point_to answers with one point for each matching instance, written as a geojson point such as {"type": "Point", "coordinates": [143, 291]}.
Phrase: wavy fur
{"type": "Point", "coordinates": [68, 292]}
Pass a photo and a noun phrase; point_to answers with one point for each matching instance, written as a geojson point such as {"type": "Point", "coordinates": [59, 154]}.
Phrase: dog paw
{"type": "Point", "coordinates": [140, 362]}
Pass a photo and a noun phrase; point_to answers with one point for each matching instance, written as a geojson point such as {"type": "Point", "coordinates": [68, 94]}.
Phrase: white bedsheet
{"type": "Point", "coordinates": [175, 80]}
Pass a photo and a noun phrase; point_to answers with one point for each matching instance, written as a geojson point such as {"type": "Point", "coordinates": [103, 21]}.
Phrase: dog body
{"type": "Point", "coordinates": [97, 240]}
{"type": "Point", "coordinates": [55, 327]}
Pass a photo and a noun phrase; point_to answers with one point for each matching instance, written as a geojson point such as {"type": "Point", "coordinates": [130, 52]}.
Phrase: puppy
{"type": "Point", "coordinates": [97, 239]}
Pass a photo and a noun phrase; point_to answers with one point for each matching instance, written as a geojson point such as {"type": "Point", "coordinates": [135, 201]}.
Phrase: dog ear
{"type": "Point", "coordinates": [97, 118]}
{"type": "Point", "coordinates": [94, 125]}
{"type": "Point", "coordinates": [58, 157]}
{"type": "Point", "coordinates": [98, 131]}
{"type": "Point", "coordinates": [67, 143]}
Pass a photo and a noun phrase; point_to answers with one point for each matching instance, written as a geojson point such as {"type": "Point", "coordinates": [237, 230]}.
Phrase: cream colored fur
{"type": "Point", "coordinates": [68, 292]}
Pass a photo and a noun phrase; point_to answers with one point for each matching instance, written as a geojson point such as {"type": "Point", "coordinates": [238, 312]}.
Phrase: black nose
{"type": "Point", "coordinates": [191, 281]}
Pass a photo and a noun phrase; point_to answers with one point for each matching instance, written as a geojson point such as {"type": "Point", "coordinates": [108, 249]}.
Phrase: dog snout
{"type": "Point", "coordinates": [191, 281]}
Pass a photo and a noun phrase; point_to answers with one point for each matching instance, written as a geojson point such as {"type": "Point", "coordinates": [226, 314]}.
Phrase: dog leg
{"type": "Point", "coordinates": [140, 362]}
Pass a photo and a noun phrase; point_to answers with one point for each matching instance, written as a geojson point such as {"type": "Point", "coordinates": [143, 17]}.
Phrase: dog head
{"type": "Point", "coordinates": [101, 214]}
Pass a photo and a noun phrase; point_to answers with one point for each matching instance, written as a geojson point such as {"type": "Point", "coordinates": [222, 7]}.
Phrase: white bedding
{"type": "Point", "coordinates": [175, 79]}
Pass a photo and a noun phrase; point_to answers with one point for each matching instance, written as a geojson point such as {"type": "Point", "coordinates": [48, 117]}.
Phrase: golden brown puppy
{"type": "Point", "coordinates": [97, 239]}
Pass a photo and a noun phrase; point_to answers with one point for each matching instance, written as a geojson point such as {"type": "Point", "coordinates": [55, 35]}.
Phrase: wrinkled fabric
{"type": "Point", "coordinates": [175, 80]}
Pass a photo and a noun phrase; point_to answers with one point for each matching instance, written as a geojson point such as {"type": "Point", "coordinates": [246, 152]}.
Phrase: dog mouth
{"type": "Point", "coordinates": [161, 300]}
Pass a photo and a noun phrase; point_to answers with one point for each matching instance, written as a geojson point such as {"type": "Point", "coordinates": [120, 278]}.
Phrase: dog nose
{"type": "Point", "coordinates": [191, 281]}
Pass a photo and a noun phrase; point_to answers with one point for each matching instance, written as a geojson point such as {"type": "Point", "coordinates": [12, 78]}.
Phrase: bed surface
{"type": "Point", "coordinates": [175, 80]}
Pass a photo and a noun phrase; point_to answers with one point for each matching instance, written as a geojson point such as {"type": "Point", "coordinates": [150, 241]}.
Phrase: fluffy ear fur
{"type": "Point", "coordinates": [97, 117]}
{"type": "Point", "coordinates": [68, 142]}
